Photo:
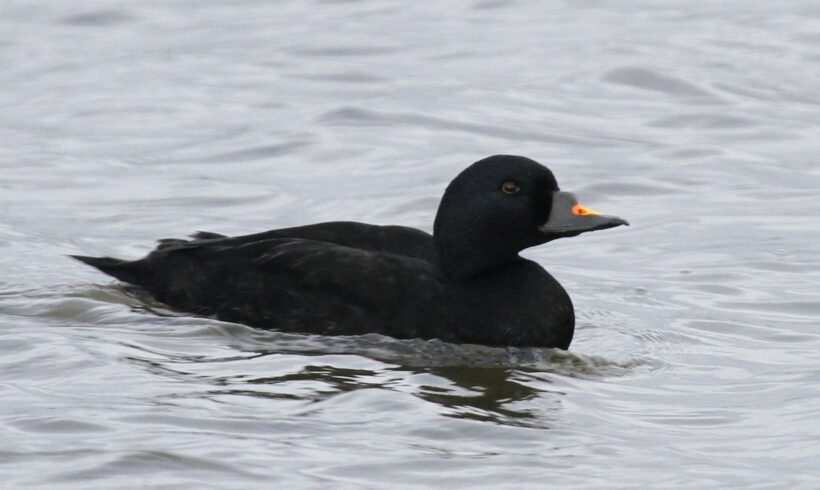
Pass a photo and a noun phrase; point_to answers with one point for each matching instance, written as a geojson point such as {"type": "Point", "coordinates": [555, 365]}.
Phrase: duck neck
{"type": "Point", "coordinates": [462, 256]}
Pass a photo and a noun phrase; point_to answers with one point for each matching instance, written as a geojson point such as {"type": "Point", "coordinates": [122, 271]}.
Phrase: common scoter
{"type": "Point", "coordinates": [465, 283]}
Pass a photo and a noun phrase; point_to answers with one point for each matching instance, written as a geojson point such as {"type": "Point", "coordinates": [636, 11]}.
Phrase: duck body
{"type": "Point", "coordinates": [465, 283]}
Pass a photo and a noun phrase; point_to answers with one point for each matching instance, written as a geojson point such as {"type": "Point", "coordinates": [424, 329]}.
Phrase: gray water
{"type": "Point", "coordinates": [696, 361]}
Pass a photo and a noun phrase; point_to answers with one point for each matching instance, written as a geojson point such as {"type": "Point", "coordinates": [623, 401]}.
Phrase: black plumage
{"type": "Point", "coordinates": [465, 283]}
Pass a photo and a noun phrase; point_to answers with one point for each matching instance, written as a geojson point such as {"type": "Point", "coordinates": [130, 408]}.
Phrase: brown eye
{"type": "Point", "coordinates": [510, 187]}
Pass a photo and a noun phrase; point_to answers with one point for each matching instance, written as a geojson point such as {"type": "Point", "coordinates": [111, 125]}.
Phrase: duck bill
{"type": "Point", "coordinates": [568, 218]}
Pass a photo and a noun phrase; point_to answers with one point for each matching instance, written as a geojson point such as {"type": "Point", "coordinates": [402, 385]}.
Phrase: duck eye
{"type": "Point", "coordinates": [510, 187]}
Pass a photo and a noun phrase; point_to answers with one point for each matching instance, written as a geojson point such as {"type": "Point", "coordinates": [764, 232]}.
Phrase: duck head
{"type": "Point", "coordinates": [501, 205]}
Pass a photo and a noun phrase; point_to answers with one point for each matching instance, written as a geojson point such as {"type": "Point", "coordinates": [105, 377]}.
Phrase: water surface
{"type": "Point", "coordinates": [696, 360]}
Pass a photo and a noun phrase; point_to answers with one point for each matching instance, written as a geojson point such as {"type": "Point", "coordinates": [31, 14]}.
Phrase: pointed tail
{"type": "Point", "coordinates": [123, 270]}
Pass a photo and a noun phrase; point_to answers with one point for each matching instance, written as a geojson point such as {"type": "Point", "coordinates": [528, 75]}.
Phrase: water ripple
{"type": "Point", "coordinates": [696, 347]}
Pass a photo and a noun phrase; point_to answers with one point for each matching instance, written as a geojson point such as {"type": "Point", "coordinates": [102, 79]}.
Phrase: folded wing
{"type": "Point", "coordinates": [294, 284]}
